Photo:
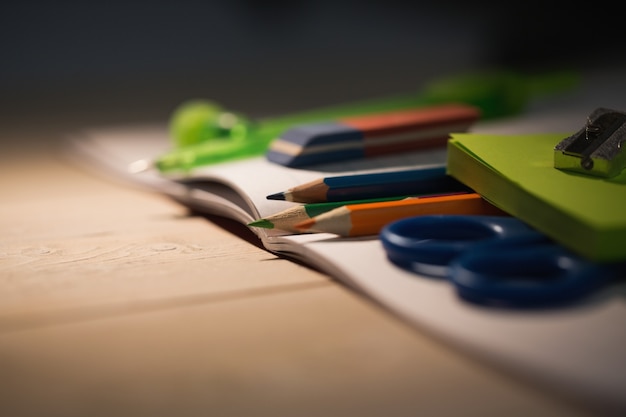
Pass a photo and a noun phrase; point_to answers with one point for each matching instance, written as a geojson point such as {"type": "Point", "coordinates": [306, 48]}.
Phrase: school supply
{"type": "Point", "coordinates": [205, 133]}
{"type": "Point", "coordinates": [597, 148]}
{"type": "Point", "coordinates": [369, 218]}
{"type": "Point", "coordinates": [397, 182]}
{"type": "Point", "coordinates": [288, 218]}
{"type": "Point", "coordinates": [371, 135]}
{"type": "Point", "coordinates": [516, 173]}
{"type": "Point", "coordinates": [495, 260]}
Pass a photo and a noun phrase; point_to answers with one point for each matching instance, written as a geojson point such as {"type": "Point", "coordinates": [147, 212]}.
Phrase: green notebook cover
{"type": "Point", "coordinates": [516, 173]}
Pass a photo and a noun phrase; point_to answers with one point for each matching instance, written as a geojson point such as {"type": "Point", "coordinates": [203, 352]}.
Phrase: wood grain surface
{"type": "Point", "coordinates": [119, 302]}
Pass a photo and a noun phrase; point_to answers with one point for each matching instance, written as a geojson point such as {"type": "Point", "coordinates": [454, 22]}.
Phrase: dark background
{"type": "Point", "coordinates": [111, 62]}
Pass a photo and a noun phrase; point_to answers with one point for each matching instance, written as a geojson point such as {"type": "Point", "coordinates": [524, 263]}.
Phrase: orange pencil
{"type": "Point", "coordinates": [370, 218]}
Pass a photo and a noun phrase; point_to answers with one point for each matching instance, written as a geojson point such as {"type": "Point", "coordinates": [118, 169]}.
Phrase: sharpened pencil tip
{"type": "Point", "coordinates": [277, 196]}
{"type": "Point", "coordinates": [266, 224]}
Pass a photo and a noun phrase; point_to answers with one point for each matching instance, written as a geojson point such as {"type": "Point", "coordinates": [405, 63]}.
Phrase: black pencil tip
{"type": "Point", "coordinates": [277, 196]}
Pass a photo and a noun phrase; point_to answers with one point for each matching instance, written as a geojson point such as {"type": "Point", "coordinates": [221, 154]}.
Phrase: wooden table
{"type": "Point", "coordinates": [118, 302]}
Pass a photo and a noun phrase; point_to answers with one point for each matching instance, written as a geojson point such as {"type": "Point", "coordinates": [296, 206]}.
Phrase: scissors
{"type": "Point", "coordinates": [494, 260]}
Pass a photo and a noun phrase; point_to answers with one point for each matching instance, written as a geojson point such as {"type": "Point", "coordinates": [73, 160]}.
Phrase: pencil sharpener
{"type": "Point", "coordinates": [598, 148]}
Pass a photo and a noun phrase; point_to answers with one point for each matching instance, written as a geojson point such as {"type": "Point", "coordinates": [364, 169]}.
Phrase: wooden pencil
{"type": "Point", "coordinates": [288, 218]}
{"type": "Point", "coordinates": [427, 180]}
{"type": "Point", "coordinates": [370, 218]}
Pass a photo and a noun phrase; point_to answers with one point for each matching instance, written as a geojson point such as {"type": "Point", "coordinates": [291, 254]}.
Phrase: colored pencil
{"type": "Point", "coordinates": [371, 135]}
{"type": "Point", "coordinates": [370, 218]}
{"type": "Point", "coordinates": [287, 219]}
{"type": "Point", "coordinates": [430, 180]}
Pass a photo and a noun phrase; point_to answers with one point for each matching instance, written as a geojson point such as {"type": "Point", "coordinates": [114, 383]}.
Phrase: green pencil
{"type": "Point", "coordinates": [286, 219]}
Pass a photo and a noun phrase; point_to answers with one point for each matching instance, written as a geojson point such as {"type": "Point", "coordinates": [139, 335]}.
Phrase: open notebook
{"type": "Point", "coordinates": [577, 351]}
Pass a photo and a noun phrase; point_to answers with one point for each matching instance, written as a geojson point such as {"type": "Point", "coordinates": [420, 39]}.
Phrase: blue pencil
{"type": "Point", "coordinates": [431, 180]}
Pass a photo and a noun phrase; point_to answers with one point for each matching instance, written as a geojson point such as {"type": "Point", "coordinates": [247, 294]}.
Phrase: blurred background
{"type": "Point", "coordinates": [97, 62]}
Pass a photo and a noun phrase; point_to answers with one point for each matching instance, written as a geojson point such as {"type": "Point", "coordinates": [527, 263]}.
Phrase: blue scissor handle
{"type": "Point", "coordinates": [517, 273]}
{"type": "Point", "coordinates": [492, 259]}
{"type": "Point", "coordinates": [427, 244]}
